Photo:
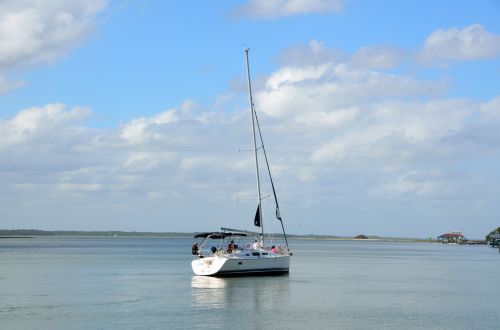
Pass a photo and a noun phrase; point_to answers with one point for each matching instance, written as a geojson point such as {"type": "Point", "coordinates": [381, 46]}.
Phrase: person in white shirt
{"type": "Point", "coordinates": [256, 245]}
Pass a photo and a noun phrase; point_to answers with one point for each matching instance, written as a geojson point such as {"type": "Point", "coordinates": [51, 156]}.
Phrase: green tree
{"type": "Point", "coordinates": [495, 231]}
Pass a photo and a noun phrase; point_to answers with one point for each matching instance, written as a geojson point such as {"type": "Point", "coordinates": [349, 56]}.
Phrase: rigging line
{"type": "Point", "coordinates": [278, 213]}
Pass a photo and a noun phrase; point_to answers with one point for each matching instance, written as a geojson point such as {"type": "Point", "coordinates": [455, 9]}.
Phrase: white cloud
{"type": "Point", "coordinates": [86, 187]}
{"type": "Point", "coordinates": [393, 132]}
{"type": "Point", "coordinates": [144, 130]}
{"type": "Point", "coordinates": [316, 81]}
{"type": "Point", "coordinates": [491, 109]}
{"type": "Point", "coordinates": [48, 154]}
{"type": "Point", "coordinates": [470, 43]}
{"type": "Point", "coordinates": [337, 131]}
{"type": "Point", "coordinates": [292, 75]}
{"type": "Point", "coordinates": [269, 9]}
{"type": "Point", "coordinates": [38, 122]}
{"type": "Point", "coordinates": [40, 31]}
{"type": "Point", "coordinates": [319, 119]}
{"type": "Point", "coordinates": [314, 53]}
{"type": "Point", "coordinates": [390, 136]}
{"type": "Point", "coordinates": [327, 87]}
{"type": "Point", "coordinates": [141, 130]}
{"type": "Point", "coordinates": [146, 161]}
{"type": "Point", "coordinates": [414, 182]}
{"type": "Point", "coordinates": [34, 32]}
{"type": "Point", "coordinates": [380, 149]}
{"type": "Point", "coordinates": [8, 85]}
{"type": "Point", "coordinates": [377, 57]}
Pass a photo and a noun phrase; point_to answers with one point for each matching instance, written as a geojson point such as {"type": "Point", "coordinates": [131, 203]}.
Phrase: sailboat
{"type": "Point", "coordinates": [241, 252]}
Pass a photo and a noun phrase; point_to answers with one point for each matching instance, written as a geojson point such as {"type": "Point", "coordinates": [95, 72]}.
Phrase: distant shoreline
{"type": "Point", "coordinates": [33, 233]}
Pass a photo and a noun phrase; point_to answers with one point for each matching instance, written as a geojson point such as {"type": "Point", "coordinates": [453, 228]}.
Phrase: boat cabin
{"type": "Point", "coordinates": [232, 243]}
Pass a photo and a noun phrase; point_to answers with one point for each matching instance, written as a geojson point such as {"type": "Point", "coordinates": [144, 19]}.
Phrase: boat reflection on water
{"type": "Point", "coordinates": [208, 291]}
{"type": "Point", "coordinates": [207, 282]}
{"type": "Point", "coordinates": [259, 292]}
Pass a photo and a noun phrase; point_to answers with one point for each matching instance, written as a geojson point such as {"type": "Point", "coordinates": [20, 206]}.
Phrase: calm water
{"type": "Point", "coordinates": [137, 283]}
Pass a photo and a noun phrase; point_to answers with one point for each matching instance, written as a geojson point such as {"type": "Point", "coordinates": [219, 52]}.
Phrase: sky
{"type": "Point", "coordinates": [378, 117]}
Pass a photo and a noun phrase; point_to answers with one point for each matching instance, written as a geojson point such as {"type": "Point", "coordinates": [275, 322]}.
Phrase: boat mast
{"type": "Point", "coordinates": [252, 111]}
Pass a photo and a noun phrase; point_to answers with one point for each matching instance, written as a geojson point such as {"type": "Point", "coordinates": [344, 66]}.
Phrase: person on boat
{"type": "Point", "coordinates": [195, 249]}
{"type": "Point", "coordinates": [230, 247]}
{"type": "Point", "coordinates": [273, 249]}
{"type": "Point", "coordinates": [256, 245]}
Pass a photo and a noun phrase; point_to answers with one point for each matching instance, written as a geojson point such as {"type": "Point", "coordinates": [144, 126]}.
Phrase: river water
{"type": "Point", "coordinates": [147, 283]}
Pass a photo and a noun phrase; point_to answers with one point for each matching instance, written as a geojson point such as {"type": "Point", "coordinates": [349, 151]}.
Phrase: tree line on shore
{"type": "Point", "coordinates": [38, 232]}
{"type": "Point", "coordinates": [494, 231]}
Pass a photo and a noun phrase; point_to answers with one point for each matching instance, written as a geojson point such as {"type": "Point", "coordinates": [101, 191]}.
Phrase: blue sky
{"type": "Point", "coordinates": [380, 117]}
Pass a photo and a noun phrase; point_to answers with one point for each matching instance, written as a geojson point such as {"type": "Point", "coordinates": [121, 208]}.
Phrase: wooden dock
{"type": "Point", "coordinates": [473, 242]}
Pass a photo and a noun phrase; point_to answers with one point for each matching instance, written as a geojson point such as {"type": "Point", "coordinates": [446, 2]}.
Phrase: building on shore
{"type": "Point", "coordinates": [454, 237]}
{"type": "Point", "coordinates": [494, 240]}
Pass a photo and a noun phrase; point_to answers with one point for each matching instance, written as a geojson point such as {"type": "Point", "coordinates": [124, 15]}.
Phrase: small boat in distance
{"type": "Point", "coordinates": [240, 252]}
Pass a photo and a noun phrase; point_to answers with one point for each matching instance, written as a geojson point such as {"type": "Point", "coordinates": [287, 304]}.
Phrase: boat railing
{"type": "Point", "coordinates": [244, 251]}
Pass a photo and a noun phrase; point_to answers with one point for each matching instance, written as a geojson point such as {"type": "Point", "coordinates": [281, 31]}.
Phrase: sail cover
{"type": "Point", "coordinates": [278, 214]}
{"type": "Point", "coordinates": [256, 220]}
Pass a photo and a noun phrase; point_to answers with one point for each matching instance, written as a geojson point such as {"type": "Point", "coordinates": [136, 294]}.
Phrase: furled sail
{"type": "Point", "coordinates": [278, 214]}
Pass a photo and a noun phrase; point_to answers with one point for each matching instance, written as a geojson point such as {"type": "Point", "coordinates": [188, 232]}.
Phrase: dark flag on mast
{"type": "Point", "coordinates": [256, 220]}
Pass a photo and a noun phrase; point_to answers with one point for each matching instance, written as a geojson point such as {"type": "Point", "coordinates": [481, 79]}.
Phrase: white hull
{"type": "Point", "coordinates": [227, 265]}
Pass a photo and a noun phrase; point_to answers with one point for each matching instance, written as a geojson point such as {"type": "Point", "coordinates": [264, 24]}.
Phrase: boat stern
{"type": "Point", "coordinates": [208, 266]}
